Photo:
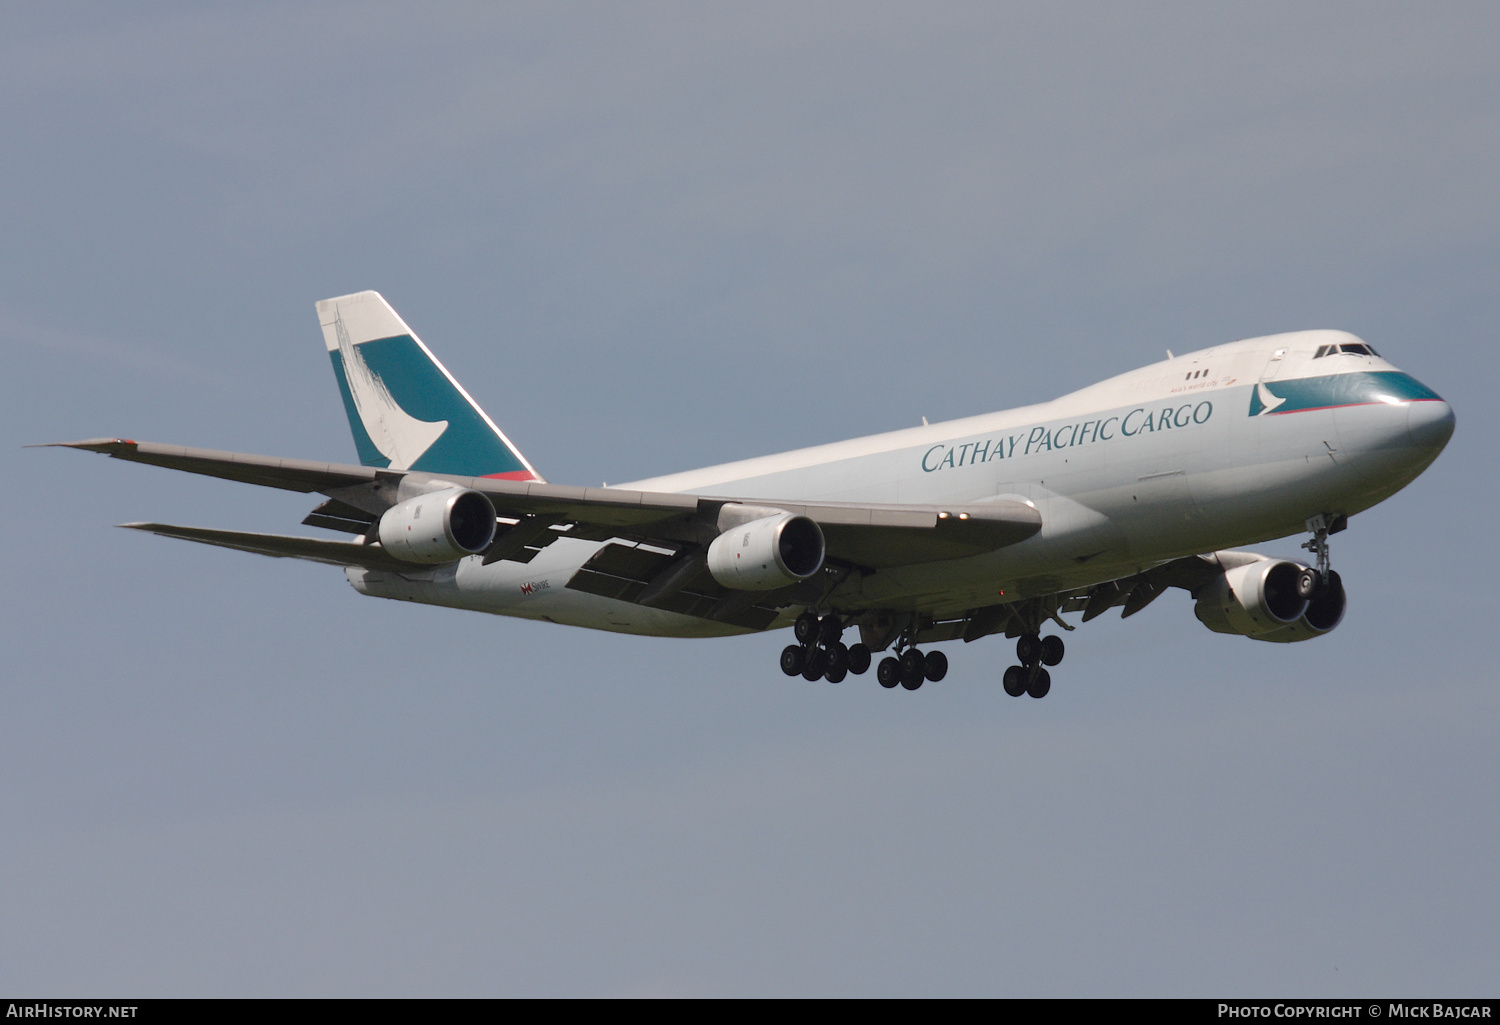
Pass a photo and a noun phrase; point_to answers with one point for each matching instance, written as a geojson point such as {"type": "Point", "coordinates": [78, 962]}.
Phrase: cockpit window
{"type": "Point", "coordinates": [1350, 349]}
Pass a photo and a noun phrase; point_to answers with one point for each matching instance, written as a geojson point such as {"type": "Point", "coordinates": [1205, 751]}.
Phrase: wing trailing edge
{"type": "Point", "coordinates": [281, 546]}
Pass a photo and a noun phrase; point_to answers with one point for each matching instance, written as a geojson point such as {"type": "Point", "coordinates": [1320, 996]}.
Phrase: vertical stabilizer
{"type": "Point", "coordinates": [405, 410]}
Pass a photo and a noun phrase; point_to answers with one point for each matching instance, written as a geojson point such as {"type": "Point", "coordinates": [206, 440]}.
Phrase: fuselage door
{"type": "Point", "coordinates": [1274, 365]}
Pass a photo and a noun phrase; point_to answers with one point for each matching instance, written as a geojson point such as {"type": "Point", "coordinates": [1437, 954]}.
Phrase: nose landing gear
{"type": "Point", "coordinates": [1313, 583]}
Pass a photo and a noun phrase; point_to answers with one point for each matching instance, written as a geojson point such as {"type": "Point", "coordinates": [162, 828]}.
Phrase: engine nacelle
{"type": "Point", "coordinates": [1324, 612]}
{"type": "Point", "coordinates": [1254, 599]}
{"type": "Point", "coordinates": [440, 526]}
{"type": "Point", "coordinates": [767, 553]}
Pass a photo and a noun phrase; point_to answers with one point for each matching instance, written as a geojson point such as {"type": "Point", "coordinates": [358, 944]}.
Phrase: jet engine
{"type": "Point", "coordinates": [1324, 612]}
{"type": "Point", "coordinates": [767, 553]}
{"type": "Point", "coordinates": [440, 526]}
{"type": "Point", "coordinates": [1254, 599]}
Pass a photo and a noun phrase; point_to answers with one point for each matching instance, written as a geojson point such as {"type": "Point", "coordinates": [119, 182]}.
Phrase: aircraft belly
{"type": "Point", "coordinates": [952, 588]}
{"type": "Point", "coordinates": [538, 590]}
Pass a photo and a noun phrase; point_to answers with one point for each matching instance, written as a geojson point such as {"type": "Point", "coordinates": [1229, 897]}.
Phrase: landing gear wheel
{"type": "Point", "coordinates": [792, 659]}
{"type": "Point", "coordinates": [830, 629]}
{"type": "Point", "coordinates": [1052, 650]}
{"type": "Point", "coordinates": [814, 664]}
{"type": "Point", "coordinates": [1309, 583]}
{"type": "Point", "coordinates": [913, 669]}
{"type": "Point", "coordinates": [1014, 681]}
{"type": "Point", "coordinates": [836, 675]}
{"type": "Point", "coordinates": [1040, 684]}
{"type": "Point", "coordinates": [838, 661]}
{"type": "Point", "coordinates": [859, 659]}
{"type": "Point", "coordinates": [1331, 583]}
{"type": "Point", "coordinates": [935, 666]}
{"type": "Point", "coordinates": [806, 627]}
{"type": "Point", "coordinates": [888, 672]}
{"type": "Point", "coordinates": [1029, 649]}
{"type": "Point", "coordinates": [912, 663]}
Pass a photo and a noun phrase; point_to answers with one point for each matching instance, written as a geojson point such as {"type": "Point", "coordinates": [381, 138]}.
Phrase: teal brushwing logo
{"type": "Point", "coordinates": [398, 437]}
{"type": "Point", "coordinates": [1390, 387]}
{"type": "Point", "coordinates": [406, 414]}
{"type": "Point", "coordinates": [1263, 400]}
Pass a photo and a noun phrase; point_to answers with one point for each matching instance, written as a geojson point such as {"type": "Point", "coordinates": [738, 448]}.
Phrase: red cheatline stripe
{"type": "Point", "coordinates": [512, 475]}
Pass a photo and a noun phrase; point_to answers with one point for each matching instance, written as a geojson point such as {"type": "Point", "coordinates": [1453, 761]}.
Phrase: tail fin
{"type": "Point", "coordinates": [405, 410]}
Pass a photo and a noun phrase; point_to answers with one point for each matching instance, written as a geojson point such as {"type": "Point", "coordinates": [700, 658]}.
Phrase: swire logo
{"type": "Point", "coordinates": [533, 586]}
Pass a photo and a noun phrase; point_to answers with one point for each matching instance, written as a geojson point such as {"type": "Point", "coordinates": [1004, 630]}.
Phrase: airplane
{"type": "Point", "coordinates": [998, 524]}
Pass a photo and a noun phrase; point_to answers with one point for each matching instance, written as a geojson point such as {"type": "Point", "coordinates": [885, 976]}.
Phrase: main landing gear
{"type": "Point", "coordinates": [821, 654]}
{"type": "Point", "coordinates": [1029, 677]}
{"type": "Point", "coordinates": [909, 667]}
{"type": "Point", "coordinates": [912, 668]}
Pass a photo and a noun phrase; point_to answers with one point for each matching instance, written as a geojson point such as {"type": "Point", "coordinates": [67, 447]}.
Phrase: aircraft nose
{"type": "Point", "coordinates": [1430, 424]}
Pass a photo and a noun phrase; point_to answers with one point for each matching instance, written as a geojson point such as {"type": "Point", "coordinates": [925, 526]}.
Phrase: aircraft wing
{"type": "Point", "coordinates": [290, 474]}
{"type": "Point", "coordinates": [1130, 594]}
{"type": "Point", "coordinates": [334, 553]}
{"type": "Point", "coordinates": [867, 535]}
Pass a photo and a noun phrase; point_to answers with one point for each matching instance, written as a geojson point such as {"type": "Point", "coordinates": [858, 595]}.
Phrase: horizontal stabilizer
{"type": "Point", "coordinates": [281, 546]}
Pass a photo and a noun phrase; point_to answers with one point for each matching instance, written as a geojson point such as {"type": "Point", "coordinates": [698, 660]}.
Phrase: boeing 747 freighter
{"type": "Point", "coordinates": [992, 525]}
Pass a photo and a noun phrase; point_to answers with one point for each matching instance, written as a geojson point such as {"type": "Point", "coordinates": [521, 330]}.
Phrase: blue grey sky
{"type": "Point", "coordinates": [649, 237]}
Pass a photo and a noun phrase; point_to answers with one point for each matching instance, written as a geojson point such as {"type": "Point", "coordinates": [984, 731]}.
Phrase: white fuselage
{"type": "Point", "coordinates": [1194, 454]}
